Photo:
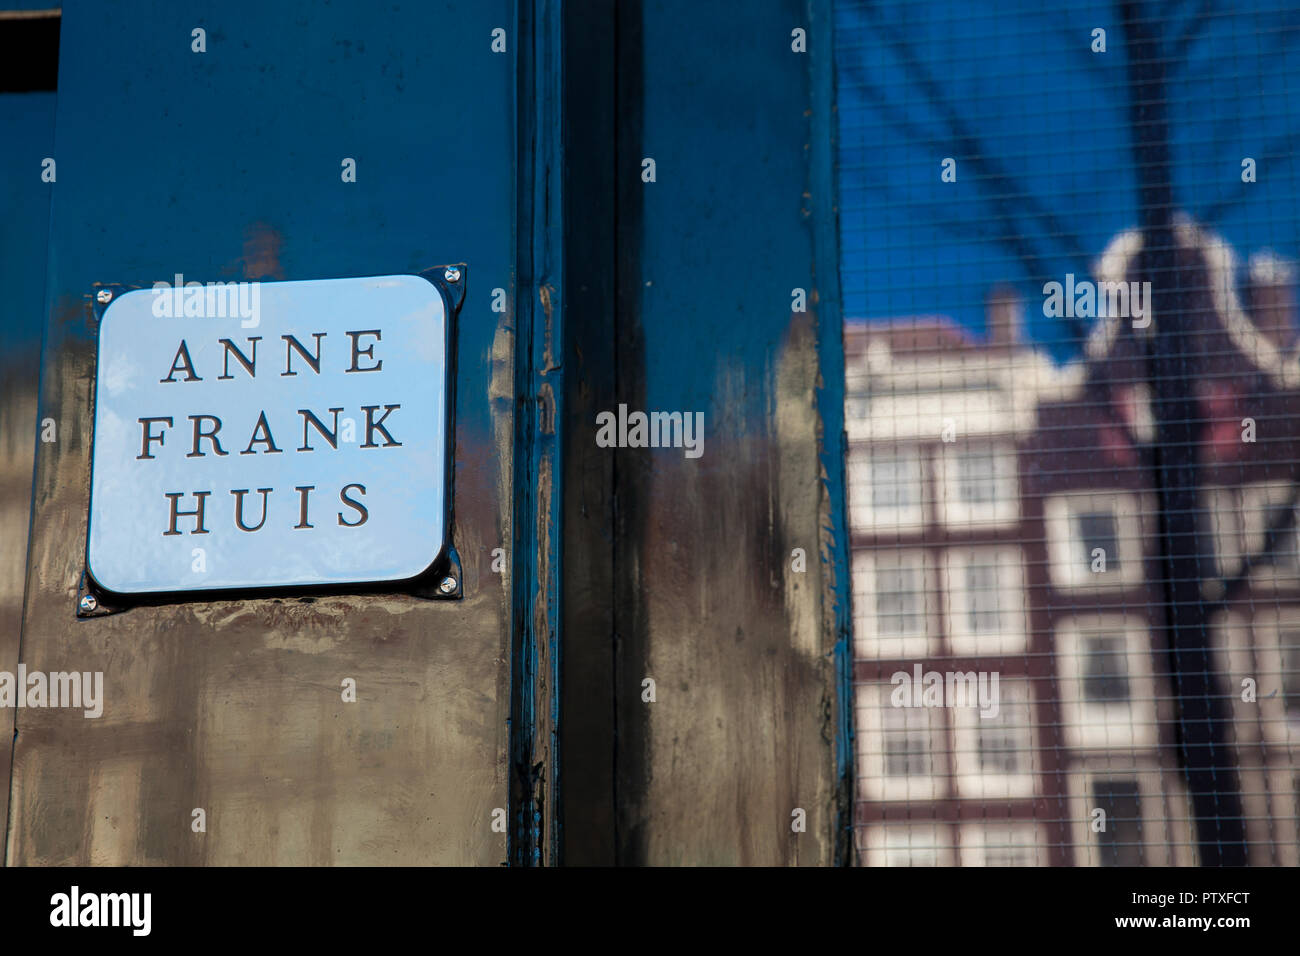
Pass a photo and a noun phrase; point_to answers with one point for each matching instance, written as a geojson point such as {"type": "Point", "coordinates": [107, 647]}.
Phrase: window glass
{"type": "Point", "coordinates": [1121, 840]}
{"type": "Point", "coordinates": [1105, 676]}
{"type": "Point", "coordinates": [1071, 307]}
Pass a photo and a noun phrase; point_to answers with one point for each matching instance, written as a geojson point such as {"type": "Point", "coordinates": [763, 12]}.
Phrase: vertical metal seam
{"type": "Point", "coordinates": [534, 751]}
{"type": "Point", "coordinates": [521, 719]}
{"type": "Point", "coordinates": [829, 402]}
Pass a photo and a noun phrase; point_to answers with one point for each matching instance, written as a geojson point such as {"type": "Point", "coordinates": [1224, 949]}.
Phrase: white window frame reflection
{"type": "Point", "coordinates": [869, 639]}
{"type": "Point", "coordinates": [1003, 511]}
{"type": "Point", "coordinates": [1011, 636]}
{"type": "Point", "coordinates": [866, 515]}
{"type": "Point", "coordinates": [875, 779]}
{"type": "Point", "coordinates": [1070, 559]}
{"type": "Point", "coordinates": [1096, 725]}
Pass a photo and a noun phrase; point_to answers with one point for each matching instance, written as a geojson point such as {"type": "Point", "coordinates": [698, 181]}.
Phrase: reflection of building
{"type": "Point", "coordinates": [1003, 519]}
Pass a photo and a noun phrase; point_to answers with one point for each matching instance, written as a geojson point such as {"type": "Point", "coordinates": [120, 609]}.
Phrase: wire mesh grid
{"type": "Point", "coordinates": [1067, 261]}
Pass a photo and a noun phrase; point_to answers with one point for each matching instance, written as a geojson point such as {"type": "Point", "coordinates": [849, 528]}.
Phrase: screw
{"type": "Point", "coordinates": [104, 296]}
{"type": "Point", "coordinates": [87, 604]}
{"type": "Point", "coordinates": [452, 275]}
{"type": "Point", "coordinates": [447, 586]}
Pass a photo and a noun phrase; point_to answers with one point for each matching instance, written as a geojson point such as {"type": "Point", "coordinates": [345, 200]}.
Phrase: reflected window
{"type": "Point", "coordinates": [1097, 531]}
{"type": "Point", "coordinates": [905, 740]}
{"type": "Point", "coordinates": [900, 600]}
{"type": "Point", "coordinates": [1120, 842]}
{"type": "Point", "coordinates": [1290, 647]}
{"type": "Point", "coordinates": [1105, 668]}
{"type": "Point", "coordinates": [886, 488]}
{"type": "Point", "coordinates": [1004, 739]}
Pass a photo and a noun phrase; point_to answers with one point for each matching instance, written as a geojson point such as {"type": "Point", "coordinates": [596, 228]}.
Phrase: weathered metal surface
{"type": "Point", "coordinates": [588, 728]}
{"type": "Point", "coordinates": [226, 165]}
{"type": "Point", "coordinates": [710, 602]}
{"type": "Point", "coordinates": [535, 756]}
{"type": "Point", "coordinates": [671, 295]}
{"type": "Point", "coordinates": [27, 130]}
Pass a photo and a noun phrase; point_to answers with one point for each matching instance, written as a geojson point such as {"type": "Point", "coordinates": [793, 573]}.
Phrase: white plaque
{"type": "Point", "coordinates": [262, 435]}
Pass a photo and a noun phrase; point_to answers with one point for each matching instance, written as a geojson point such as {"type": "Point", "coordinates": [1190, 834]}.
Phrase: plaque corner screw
{"type": "Point", "coordinates": [87, 604]}
{"type": "Point", "coordinates": [452, 274]}
{"type": "Point", "coordinates": [447, 585]}
{"type": "Point", "coordinates": [104, 296]}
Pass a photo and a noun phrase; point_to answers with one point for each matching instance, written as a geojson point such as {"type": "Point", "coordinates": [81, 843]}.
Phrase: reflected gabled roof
{"type": "Point", "coordinates": [906, 377]}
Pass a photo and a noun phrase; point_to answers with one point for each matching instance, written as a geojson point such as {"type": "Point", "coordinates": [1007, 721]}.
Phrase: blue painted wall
{"type": "Point", "coordinates": [226, 165]}
{"type": "Point", "coordinates": [27, 130]}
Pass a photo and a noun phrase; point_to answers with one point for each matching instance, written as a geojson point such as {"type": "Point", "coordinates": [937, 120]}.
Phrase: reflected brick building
{"type": "Point", "coordinates": [1004, 519]}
